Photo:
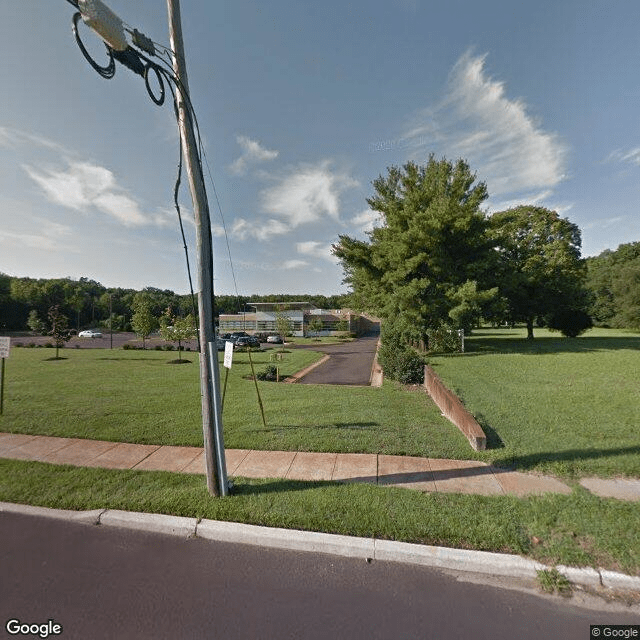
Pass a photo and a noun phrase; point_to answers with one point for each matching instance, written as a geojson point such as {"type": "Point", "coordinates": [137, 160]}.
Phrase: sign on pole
{"type": "Point", "coordinates": [5, 347]}
{"type": "Point", "coordinates": [228, 354]}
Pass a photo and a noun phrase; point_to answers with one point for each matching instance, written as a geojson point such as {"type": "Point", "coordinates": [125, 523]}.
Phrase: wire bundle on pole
{"type": "Point", "coordinates": [144, 66]}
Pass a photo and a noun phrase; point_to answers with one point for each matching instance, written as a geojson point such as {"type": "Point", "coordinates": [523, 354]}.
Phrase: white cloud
{"type": "Point", "coordinates": [316, 249]}
{"type": "Point", "coordinates": [243, 229]}
{"type": "Point", "coordinates": [12, 138]}
{"type": "Point", "coordinates": [47, 239]}
{"type": "Point", "coordinates": [252, 153]}
{"type": "Point", "coordinates": [309, 194]}
{"type": "Point", "coordinates": [83, 186]}
{"type": "Point", "coordinates": [630, 157]}
{"type": "Point", "coordinates": [294, 264]}
{"type": "Point", "coordinates": [494, 133]}
{"type": "Point", "coordinates": [366, 220]}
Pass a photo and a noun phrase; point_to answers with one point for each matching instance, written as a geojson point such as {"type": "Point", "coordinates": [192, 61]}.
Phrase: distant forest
{"type": "Point", "coordinates": [87, 303]}
{"type": "Point", "coordinates": [613, 281]}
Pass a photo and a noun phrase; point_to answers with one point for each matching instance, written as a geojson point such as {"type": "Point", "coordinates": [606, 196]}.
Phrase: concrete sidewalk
{"type": "Point", "coordinates": [422, 474]}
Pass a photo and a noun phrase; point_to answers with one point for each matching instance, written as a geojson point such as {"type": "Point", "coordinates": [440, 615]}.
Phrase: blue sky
{"type": "Point", "coordinates": [301, 105]}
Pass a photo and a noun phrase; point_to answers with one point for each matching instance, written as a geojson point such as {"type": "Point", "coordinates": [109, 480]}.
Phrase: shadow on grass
{"type": "Point", "coordinates": [479, 345]}
{"type": "Point", "coordinates": [244, 487]}
{"type": "Point", "coordinates": [115, 358]}
{"type": "Point", "coordinates": [54, 359]}
{"type": "Point", "coordinates": [533, 459]}
{"type": "Point", "coordinates": [355, 426]}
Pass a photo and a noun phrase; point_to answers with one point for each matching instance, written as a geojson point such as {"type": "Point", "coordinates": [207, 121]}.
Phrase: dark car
{"type": "Point", "coordinates": [247, 341]}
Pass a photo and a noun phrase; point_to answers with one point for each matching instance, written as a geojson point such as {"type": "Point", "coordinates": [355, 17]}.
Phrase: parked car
{"type": "Point", "coordinates": [237, 334]}
{"type": "Point", "coordinates": [274, 339]}
{"type": "Point", "coordinates": [90, 333]}
{"type": "Point", "coordinates": [247, 341]}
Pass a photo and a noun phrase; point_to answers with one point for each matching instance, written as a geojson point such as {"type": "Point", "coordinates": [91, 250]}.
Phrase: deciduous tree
{"type": "Point", "coordinates": [539, 269]}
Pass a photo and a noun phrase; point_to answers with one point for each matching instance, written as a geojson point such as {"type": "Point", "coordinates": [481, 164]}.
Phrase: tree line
{"type": "Point", "coordinates": [438, 262]}
{"type": "Point", "coordinates": [89, 304]}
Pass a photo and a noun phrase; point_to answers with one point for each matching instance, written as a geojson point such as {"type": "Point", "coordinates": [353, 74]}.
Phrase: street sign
{"type": "Point", "coordinates": [228, 354]}
{"type": "Point", "coordinates": [5, 347]}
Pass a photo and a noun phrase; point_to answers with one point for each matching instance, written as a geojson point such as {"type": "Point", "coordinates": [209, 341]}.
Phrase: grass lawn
{"type": "Point", "coordinates": [565, 406]}
{"type": "Point", "coordinates": [579, 529]}
{"type": "Point", "coordinates": [136, 396]}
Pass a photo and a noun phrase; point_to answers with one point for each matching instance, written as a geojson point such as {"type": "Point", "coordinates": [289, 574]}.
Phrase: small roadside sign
{"type": "Point", "coordinates": [5, 347]}
{"type": "Point", "coordinates": [228, 354]}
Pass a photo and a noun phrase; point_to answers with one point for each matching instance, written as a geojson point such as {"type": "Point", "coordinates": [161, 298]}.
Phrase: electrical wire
{"type": "Point", "coordinates": [106, 72]}
{"type": "Point", "coordinates": [134, 60]}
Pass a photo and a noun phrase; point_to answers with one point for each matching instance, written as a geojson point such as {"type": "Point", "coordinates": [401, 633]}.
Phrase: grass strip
{"type": "Point", "coordinates": [579, 529]}
{"type": "Point", "coordinates": [570, 407]}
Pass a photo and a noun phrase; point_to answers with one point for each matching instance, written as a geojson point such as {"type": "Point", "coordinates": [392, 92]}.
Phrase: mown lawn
{"type": "Point", "coordinates": [136, 396]}
{"type": "Point", "coordinates": [554, 404]}
{"type": "Point", "coordinates": [578, 529]}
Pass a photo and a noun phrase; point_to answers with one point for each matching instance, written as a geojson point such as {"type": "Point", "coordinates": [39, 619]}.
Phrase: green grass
{"type": "Point", "coordinates": [135, 396]}
{"type": "Point", "coordinates": [579, 529]}
{"type": "Point", "coordinates": [566, 406]}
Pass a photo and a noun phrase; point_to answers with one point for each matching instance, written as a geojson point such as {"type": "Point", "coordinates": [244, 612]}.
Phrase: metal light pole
{"type": "Point", "coordinates": [216, 470]}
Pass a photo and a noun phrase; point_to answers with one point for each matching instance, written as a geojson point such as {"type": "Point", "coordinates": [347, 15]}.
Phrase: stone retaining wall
{"type": "Point", "coordinates": [454, 410]}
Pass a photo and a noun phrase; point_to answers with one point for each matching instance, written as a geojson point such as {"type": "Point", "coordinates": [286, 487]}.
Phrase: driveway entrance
{"type": "Point", "coordinates": [349, 363]}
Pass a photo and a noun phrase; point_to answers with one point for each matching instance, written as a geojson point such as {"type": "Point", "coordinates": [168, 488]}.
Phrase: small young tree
{"type": "Point", "coordinates": [175, 329]}
{"type": "Point", "coordinates": [35, 323]}
{"type": "Point", "coordinates": [315, 325]}
{"type": "Point", "coordinates": [143, 321]}
{"type": "Point", "coordinates": [284, 325]}
{"type": "Point", "coordinates": [59, 331]}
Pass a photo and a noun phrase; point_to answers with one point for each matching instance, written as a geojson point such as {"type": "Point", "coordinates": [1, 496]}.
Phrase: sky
{"type": "Point", "coordinates": [301, 105]}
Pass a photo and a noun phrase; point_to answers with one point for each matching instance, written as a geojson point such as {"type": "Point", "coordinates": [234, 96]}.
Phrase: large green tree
{"type": "Point", "coordinates": [614, 281]}
{"type": "Point", "coordinates": [539, 269]}
{"type": "Point", "coordinates": [431, 243]}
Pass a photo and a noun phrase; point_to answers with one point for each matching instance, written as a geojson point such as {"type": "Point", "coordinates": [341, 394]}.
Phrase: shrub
{"type": "Point", "coordinates": [443, 339]}
{"type": "Point", "coordinates": [399, 361]}
{"type": "Point", "coordinates": [270, 372]}
{"type": "Point", "coordinates": [158, 347]}
{"type": "Point", "coordinates": [570, 322]}
{"type": "Point", "coordinates": [126, 347]}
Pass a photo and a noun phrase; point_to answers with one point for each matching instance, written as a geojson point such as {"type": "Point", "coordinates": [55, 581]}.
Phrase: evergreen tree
{"type": "Point", "coordinates": [432, 242]}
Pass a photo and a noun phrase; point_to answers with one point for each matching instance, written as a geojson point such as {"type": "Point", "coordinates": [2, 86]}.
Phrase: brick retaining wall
{"type": "Point", "coordinates": [454, 410]}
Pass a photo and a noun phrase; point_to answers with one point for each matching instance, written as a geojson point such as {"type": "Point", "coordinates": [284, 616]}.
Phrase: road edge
{"type": "Point", "coordinates": [458, 560]}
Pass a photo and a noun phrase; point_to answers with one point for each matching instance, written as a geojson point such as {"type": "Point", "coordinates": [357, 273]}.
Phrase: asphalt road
{"type": "Point", "coordinates": [102, 582]}
{"type": "Point", "coordinates": [349, 363]}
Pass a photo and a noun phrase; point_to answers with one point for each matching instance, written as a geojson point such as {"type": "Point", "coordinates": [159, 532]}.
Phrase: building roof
{"type": "Point", "coordinates": [281, 306]}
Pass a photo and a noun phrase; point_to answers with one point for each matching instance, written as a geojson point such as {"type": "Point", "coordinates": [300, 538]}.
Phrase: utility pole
{"type": "Point", "coordinates": [209, 370]}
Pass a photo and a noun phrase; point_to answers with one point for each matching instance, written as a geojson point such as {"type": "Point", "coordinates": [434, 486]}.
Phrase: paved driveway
{"type": "Point", "coordinates": [349, 363]}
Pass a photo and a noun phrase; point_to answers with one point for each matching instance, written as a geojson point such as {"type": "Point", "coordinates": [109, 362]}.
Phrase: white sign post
{"type": "Point", "coordinates": [228, 357]}
{"type": "Point", "coordinates": [5, 348]}
{"type": "Point", "coordinates": [228, 354]}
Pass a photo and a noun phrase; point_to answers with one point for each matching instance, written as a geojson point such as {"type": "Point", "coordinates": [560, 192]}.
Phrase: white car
{"type": "Point", "coordinates": [89, 333]}
{"type": "Point", "coordinates": [274, 339]}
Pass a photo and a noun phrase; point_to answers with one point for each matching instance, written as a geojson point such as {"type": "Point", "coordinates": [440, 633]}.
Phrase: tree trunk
{"type": "Point", "coordinates": [530, 328]}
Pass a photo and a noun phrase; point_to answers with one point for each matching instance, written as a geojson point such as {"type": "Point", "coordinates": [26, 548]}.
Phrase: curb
{"type": "Point", "coordinates": [296, 377]}
{"type": "Point", "coordinates": [461, 560]}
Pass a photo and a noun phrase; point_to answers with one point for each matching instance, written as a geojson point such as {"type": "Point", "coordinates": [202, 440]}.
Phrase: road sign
{"type": "Point", "coordinates": [5, 347]}
{"type": "Point", "coordinates": [228, 354]}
